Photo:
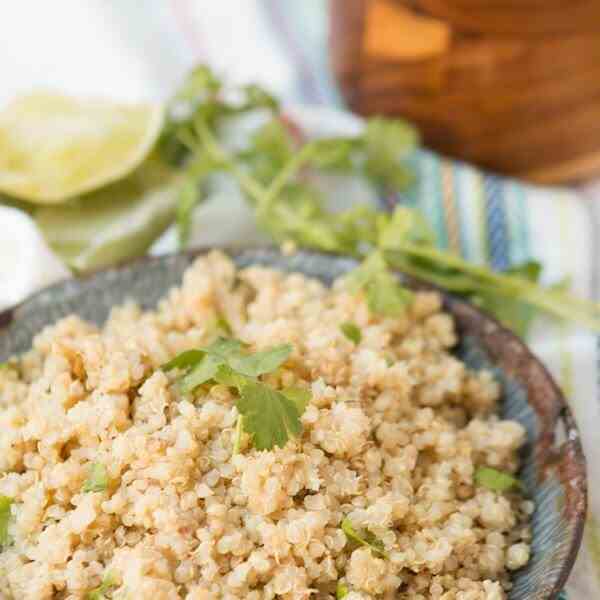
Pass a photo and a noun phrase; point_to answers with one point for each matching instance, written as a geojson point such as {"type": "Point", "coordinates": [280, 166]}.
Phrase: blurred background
{"type": "Point", "coordinates": [508, 85]}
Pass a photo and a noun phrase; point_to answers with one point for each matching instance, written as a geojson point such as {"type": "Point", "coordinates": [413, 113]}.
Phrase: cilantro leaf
{"type": "Point", "coordinates": [225, 347]}
{"type": "Point", "coordinates": [299, 396]}
{"type": "Point", "coordinates": [97, 480]}
{"type": "Point", "coordinates": [270, 417]}
{"type": "Point", "coordinates": [270, 148]}
{"type": "Point", "coordinates": [364, 539]}
{"type": "Point", "coordinates": [352, 332]}
{"type": "Point", "coordinates": [257, 97]}
{"type": "Point", "coordinates": [341, 591]}
{"type": "Point", "coordinates": [495, 480]}
{"type": "Point", "coordinates": [196, 98]}
{"type": "Point", "coordinates": [387, 143]}
{"type": "Point", "coordinates": [223, 325]}
{"type": "Point", "coordinates": [259, 363]}
{"type": "Point", "coordinates": [404, 225]}
{"type": "Point", "coordinates": [99, 593]}
{"type": "Point", "coordinates": [360, 277]}
{"type": "Point", "coordinates": [231, 352]}
{"type": "Point", "coordinates": [5, 516]}
{"type": "Point", "coordinates": [333, 153]}
{"type": "Point", "coordinates": [199, 84]}
{"type": "Point", "coordinates": [225, 375]}
{"type": "Point", "coordinates": [185, 360]}
{"type": "Point", "coordinates": [385, 296]}
{"type": "Point", "coordinates": [204, 371]}
{"type": "Point", "coordinates": [227, 362]}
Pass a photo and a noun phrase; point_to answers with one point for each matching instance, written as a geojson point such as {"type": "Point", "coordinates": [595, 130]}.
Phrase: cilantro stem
{"type": "Point", "coordinates": [284, 176]}
{"type": "Point", "coordinates": [269, 168]}
{"type": "Point", "coordinates": [219, 154]}
{"type": "Point", "coordinates": [238, 434]}
{"type": "Point", "coordinates": [559, 304]}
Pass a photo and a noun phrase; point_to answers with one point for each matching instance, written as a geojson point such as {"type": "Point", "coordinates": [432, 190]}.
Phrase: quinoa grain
{"type": "Point", "coordinates": [392, 437]}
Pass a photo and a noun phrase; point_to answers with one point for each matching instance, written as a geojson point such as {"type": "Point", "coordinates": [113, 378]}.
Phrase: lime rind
{"type": "Point", "coordinates": [54, 148]}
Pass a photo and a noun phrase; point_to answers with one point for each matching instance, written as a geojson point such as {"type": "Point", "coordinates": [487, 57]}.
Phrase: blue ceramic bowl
{"type": "Point", "coordinates": [553, 471]}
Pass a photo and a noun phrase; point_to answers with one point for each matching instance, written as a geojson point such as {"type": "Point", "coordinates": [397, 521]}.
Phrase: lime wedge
{"type": "Point", "coordinates": [53, 147]}
{"type": "Point", "coordinates": [114, 223]}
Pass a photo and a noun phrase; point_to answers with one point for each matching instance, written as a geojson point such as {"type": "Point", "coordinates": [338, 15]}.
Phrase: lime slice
{"type": "Point", "coordinates": [53, 147]}
{"type": "Point", "coordinates": [114, 223]}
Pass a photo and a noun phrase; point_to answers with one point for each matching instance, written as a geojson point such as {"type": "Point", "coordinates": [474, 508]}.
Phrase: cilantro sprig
{"type": "Point", "coordinates": [108, 581]}
{"type": "Point", "coordinates": [351, 331]}
{"type": "Point", "coordinates": [274, 169]}
{"type": "Point", "coordinates": [222, 360]}
{"type": "Point", "coordinates": [385, 295]}
{"type": "Point", "coordinates": [497, 481]}
{"type": "Point", "coordinates": [97, 480]}
{"type": "Point", "coordinates": [5, 516]}
{"type": "Point", "coordinates": [271, 417]}
{"type": "Point", "coordinates": [365, 538]}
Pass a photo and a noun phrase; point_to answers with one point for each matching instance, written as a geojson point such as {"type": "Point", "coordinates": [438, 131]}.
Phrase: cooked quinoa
{"type": "Point", "coordinates": [392, 436]}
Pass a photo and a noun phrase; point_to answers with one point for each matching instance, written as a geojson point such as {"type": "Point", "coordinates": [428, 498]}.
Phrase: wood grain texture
{"type": "Point", "coordinates": [520, 102]}
{"type": "Point", "coordinates": [518, 18]}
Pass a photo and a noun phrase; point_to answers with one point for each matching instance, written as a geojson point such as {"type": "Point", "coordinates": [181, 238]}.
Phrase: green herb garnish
{"type": "Point", "coordinates": [259, 363]}
{"type": "Point", "coordinates": [364, 539]}
{"type": "Point", "coordinates": [97, 480]}
{"type": "Point", "coordinates": [237, 440]}
{"type": "Point", "coordinates": [224, 326]}
{"type": "Point", "coordinates": [274, 170]}
{"type": "Point", "coordinates": [99, 593]}
{"type": "Point", "coordinates": [204, 371]}
{"type": "Point", "coordinates": [385, 296]}
{"type": "Point", "coordinates": [203, 365]}
{"type": "Point", "coordinates": [299, 396]}
{"type": "Point", "coordinates": [5, 516]}
{"type": "Point", "coordinates": [495, 480]}
{"type": "Point", "coordinates": [352, 332]}
{"type": "Point", "coordinates": [270, 416]}
{"type": "Point", "coordinates": [271, 169]}
{"type": "Point", "coordinates": [185, 360]}
{"type": "Point", "coordinates": [341, 591]}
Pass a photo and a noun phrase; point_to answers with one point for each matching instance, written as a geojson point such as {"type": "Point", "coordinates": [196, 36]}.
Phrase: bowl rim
{"type": "Point", "coordinates": [570, 454]}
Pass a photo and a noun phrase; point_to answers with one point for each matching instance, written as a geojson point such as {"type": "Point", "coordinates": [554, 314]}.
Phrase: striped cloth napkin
{"type": "Point", "coordinates": [132, 50]}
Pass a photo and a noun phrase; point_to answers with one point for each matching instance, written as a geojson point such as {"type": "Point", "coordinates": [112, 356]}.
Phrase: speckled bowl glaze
{"type": "Point", "coordinates": [553, 471]}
